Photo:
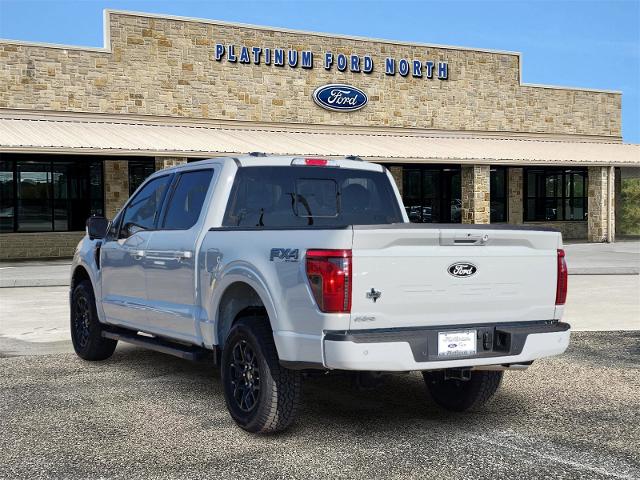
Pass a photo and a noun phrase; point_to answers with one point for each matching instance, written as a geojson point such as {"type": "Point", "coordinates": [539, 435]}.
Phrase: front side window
{"type": "Point", "coordinates": [555, 194]}
{"type": "Point", "coordinates": [143, 209]}
{"type": "Point", "coordinates": [187, 200]}
{"type": "Point", "coordinates": [310, 196]}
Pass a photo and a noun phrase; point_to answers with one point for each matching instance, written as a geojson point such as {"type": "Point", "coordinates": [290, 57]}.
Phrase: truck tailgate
{"type": "Point", "coordinates": [429, 275]}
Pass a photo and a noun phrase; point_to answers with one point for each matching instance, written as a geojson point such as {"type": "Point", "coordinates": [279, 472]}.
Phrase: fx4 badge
{"type": "Point", "coordinates": [284, 254]}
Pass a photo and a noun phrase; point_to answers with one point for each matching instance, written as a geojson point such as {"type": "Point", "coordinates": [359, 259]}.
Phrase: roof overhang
{"type": "Point", "coordinates": [23, 132]}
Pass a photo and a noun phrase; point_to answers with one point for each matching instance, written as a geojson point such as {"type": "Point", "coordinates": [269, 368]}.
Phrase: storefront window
{"type": "Point", "coordinates": [41, 193]}
{"type": "Point", "coordinates": [554, 194]}
{"type": "Point", "coordinates": [432, 194]}
{"type": "Point", "coordinates": [498, 189]}
{"type": "Point", "coordinates": [7, 198]}
{"type": "Point", "coordinates": [139, 170]}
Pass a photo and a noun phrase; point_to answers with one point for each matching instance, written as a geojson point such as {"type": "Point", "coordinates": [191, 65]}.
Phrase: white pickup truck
{"type": "Point", "coordinates": [277, 266]}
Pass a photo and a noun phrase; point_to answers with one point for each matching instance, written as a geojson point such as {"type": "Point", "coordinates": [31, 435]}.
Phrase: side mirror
{"type": "Point", "coordinates": [97, 227]}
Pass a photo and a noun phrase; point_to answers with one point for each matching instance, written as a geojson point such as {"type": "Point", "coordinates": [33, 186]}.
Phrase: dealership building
{"type": "Point", "coordinates": [465, 138]}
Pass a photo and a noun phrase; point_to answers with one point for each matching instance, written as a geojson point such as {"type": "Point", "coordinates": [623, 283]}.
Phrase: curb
{"type": "Point", "coordinates": [604, 271]}
{"type": "Point", "coordinates": [40, 282]}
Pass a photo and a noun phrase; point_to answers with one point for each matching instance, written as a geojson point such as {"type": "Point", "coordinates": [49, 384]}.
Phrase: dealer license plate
{"type": "Point", "coordinates": [457, 344]}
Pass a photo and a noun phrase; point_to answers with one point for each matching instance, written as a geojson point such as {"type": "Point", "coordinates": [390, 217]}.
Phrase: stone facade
{"type": "Point", "coordinates": [17, 246]}
{"type": "Point", "coordinates": [167, 162]}
{"type": "Point", "coordinates": [515, 205]}
{"type": "Point", "coordinates": [167, 67]}
{"type": "Point", "coordinates": [599, 211]}
{"type": "Point", "coordinates": [396, 173]}
{"type": "Point", "coordinates": [116, 186]}
{"type": "Point", "coordinates": [475, 193]}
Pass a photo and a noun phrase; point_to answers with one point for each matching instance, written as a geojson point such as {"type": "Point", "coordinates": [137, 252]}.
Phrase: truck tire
{"type": "Point", "coordinates": [86, 330]}
{"type": "Point", "coordinates": [262, 396]}
{"type": "Point", "coordinates": [462, 395]}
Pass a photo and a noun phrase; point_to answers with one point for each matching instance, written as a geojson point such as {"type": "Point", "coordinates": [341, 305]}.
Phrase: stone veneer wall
{"type": "Point", "coordinates": [16, 246]}
{"type": "Point", "coordinates": [167, 162]}
{"type": "Point", "coordinates": [598, 193]}
{"type": "Point", "coordinates": [116, 186]}
{"type": "Point", "coordinates": [515, 186]}
{"type": "Point", "coordinates": [475, 193]}
{"type": "Point", "coordinates": [167, 67]}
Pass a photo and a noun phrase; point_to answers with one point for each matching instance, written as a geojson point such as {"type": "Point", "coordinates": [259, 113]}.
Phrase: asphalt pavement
{"type": "Point", "coordinates": [142, 414]}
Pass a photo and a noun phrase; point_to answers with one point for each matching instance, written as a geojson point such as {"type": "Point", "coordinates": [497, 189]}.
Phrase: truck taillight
{"type": "Point", "coordinates": [561, 287]}
{"type": "Point", "coordinates": [329, 274]}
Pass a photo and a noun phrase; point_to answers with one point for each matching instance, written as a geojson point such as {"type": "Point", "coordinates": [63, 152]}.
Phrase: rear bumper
{"type": "Point", "coordinates": [405, 349]}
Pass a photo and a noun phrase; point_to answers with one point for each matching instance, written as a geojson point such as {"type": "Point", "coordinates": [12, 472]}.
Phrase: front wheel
{"type": "Point", "coordinates": [262, 396]}
{"type": "Point", "coordinates": [462, 395]}
{"type": "Point", "coordinates": [86, 330]}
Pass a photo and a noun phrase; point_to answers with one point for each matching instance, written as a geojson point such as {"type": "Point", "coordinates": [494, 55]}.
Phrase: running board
{"type": "Point", "coordinates": [186, 352]}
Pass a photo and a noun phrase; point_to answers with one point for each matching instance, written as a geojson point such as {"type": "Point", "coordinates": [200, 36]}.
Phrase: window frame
{"type": "Point", "coordinates": [563, 197]}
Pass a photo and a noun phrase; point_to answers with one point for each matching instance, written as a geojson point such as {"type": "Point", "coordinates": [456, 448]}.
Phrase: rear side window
{"type": "Point", "coordinates": [281, 197]}
{"type": "Point", "coordinates": [187, 200]}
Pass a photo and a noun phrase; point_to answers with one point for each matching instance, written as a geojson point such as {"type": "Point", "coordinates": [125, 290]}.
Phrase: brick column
{"type": "Point", "coordinates": [396, 173]}
{"type": "Point", "coordinates": [116, 186]}
{"type": "Point", "coordinates": [166, 162]}
{"type": "Point", "coordinates": [475, 194]}
{"type": "Point", "coordinates": [515, 188]}
{"type": "Point", "coordinates": [599, 217]}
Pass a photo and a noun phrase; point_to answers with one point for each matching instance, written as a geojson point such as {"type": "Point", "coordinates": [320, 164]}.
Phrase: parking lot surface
{"type": "Point", "coordinates": [145, 415]}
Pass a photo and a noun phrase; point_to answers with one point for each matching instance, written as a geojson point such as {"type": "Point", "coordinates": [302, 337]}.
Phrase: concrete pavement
{"type": "Point", "coordinates": [146, 415]}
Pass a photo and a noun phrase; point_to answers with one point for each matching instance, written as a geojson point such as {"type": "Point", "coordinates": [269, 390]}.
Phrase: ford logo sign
{"type": "Point", "coordinates": [462, 270]}
{"type": "Point", "coordinates": [340, 98]}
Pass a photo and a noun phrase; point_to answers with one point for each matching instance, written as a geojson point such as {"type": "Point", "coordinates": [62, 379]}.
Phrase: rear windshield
{"type": "Point", "coordinates": [310, 196]}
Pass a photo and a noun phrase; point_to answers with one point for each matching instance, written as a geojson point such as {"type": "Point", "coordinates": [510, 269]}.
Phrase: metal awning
{"type": "Point", "coordinates": [120, 137]}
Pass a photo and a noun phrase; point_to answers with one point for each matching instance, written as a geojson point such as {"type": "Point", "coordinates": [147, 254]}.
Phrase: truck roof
{"type": "Point", "coordinates": [259, 160]}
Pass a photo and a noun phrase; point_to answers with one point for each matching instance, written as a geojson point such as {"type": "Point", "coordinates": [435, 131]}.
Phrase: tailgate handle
{"type": "Point", "coordinates": [465, 239]}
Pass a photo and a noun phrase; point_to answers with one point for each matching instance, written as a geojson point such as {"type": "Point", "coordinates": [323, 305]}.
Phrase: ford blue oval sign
{"type": "Point", "coordinates": [340, 98]}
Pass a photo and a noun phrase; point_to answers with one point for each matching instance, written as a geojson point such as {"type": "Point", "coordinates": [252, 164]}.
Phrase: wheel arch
{"type": "Point", "coordinates": [240, 299]}
{"type": "Point", "coordinates": [79, 274]}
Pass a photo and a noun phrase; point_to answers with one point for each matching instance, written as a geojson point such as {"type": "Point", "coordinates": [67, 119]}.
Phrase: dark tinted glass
{"type": "Point", "coordinates": [7, 205]}
{"type": "Point", "coordinates": [310, 196]}
{"type": "Point", "coordinates": [187, 200]}
{"type": "Point", "coordinates": [139, 170]}
{"type": "Point", "coordinates": [555, 194]}
{"type": "Point", "coordinates": [34, 197]}
{"type": "Point", "coordinates": [498, 194]}
{"type": "Point", "coordinates": [143, 209]}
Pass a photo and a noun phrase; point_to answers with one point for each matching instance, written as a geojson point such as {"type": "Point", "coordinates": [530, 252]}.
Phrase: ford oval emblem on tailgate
{"type": "Point", "coordinates": [462, 269]}
{"type": "Point", "coordinates": [340, 98]}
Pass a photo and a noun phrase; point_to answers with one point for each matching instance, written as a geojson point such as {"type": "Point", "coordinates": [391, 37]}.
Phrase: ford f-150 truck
{"type": "Point", "coordinates": [274, 267]}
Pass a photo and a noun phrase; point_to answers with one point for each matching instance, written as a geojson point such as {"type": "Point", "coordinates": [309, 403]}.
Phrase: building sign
{"type": "Point", "coordinates": [280, 57]}
{"type": "Point", "coordinates": [340, 98]}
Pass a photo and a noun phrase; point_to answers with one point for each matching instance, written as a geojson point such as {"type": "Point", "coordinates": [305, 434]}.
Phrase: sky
{"type": "Point", "coordinates": [577, 43]}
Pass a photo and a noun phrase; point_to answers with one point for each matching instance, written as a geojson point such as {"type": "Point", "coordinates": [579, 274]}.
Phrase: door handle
{"type": "Point", "coordinates": [184, 255]}
{"type": "Point", "coordinates": [138, 254]}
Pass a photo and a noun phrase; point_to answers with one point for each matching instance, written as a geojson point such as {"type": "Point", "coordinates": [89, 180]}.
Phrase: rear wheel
{"type": "Point", "coordinates": [261, 395]}
{"type": "Point", "coordinates": [462, 395]}
{"type": "Point", "coordinates": [86, 330]}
